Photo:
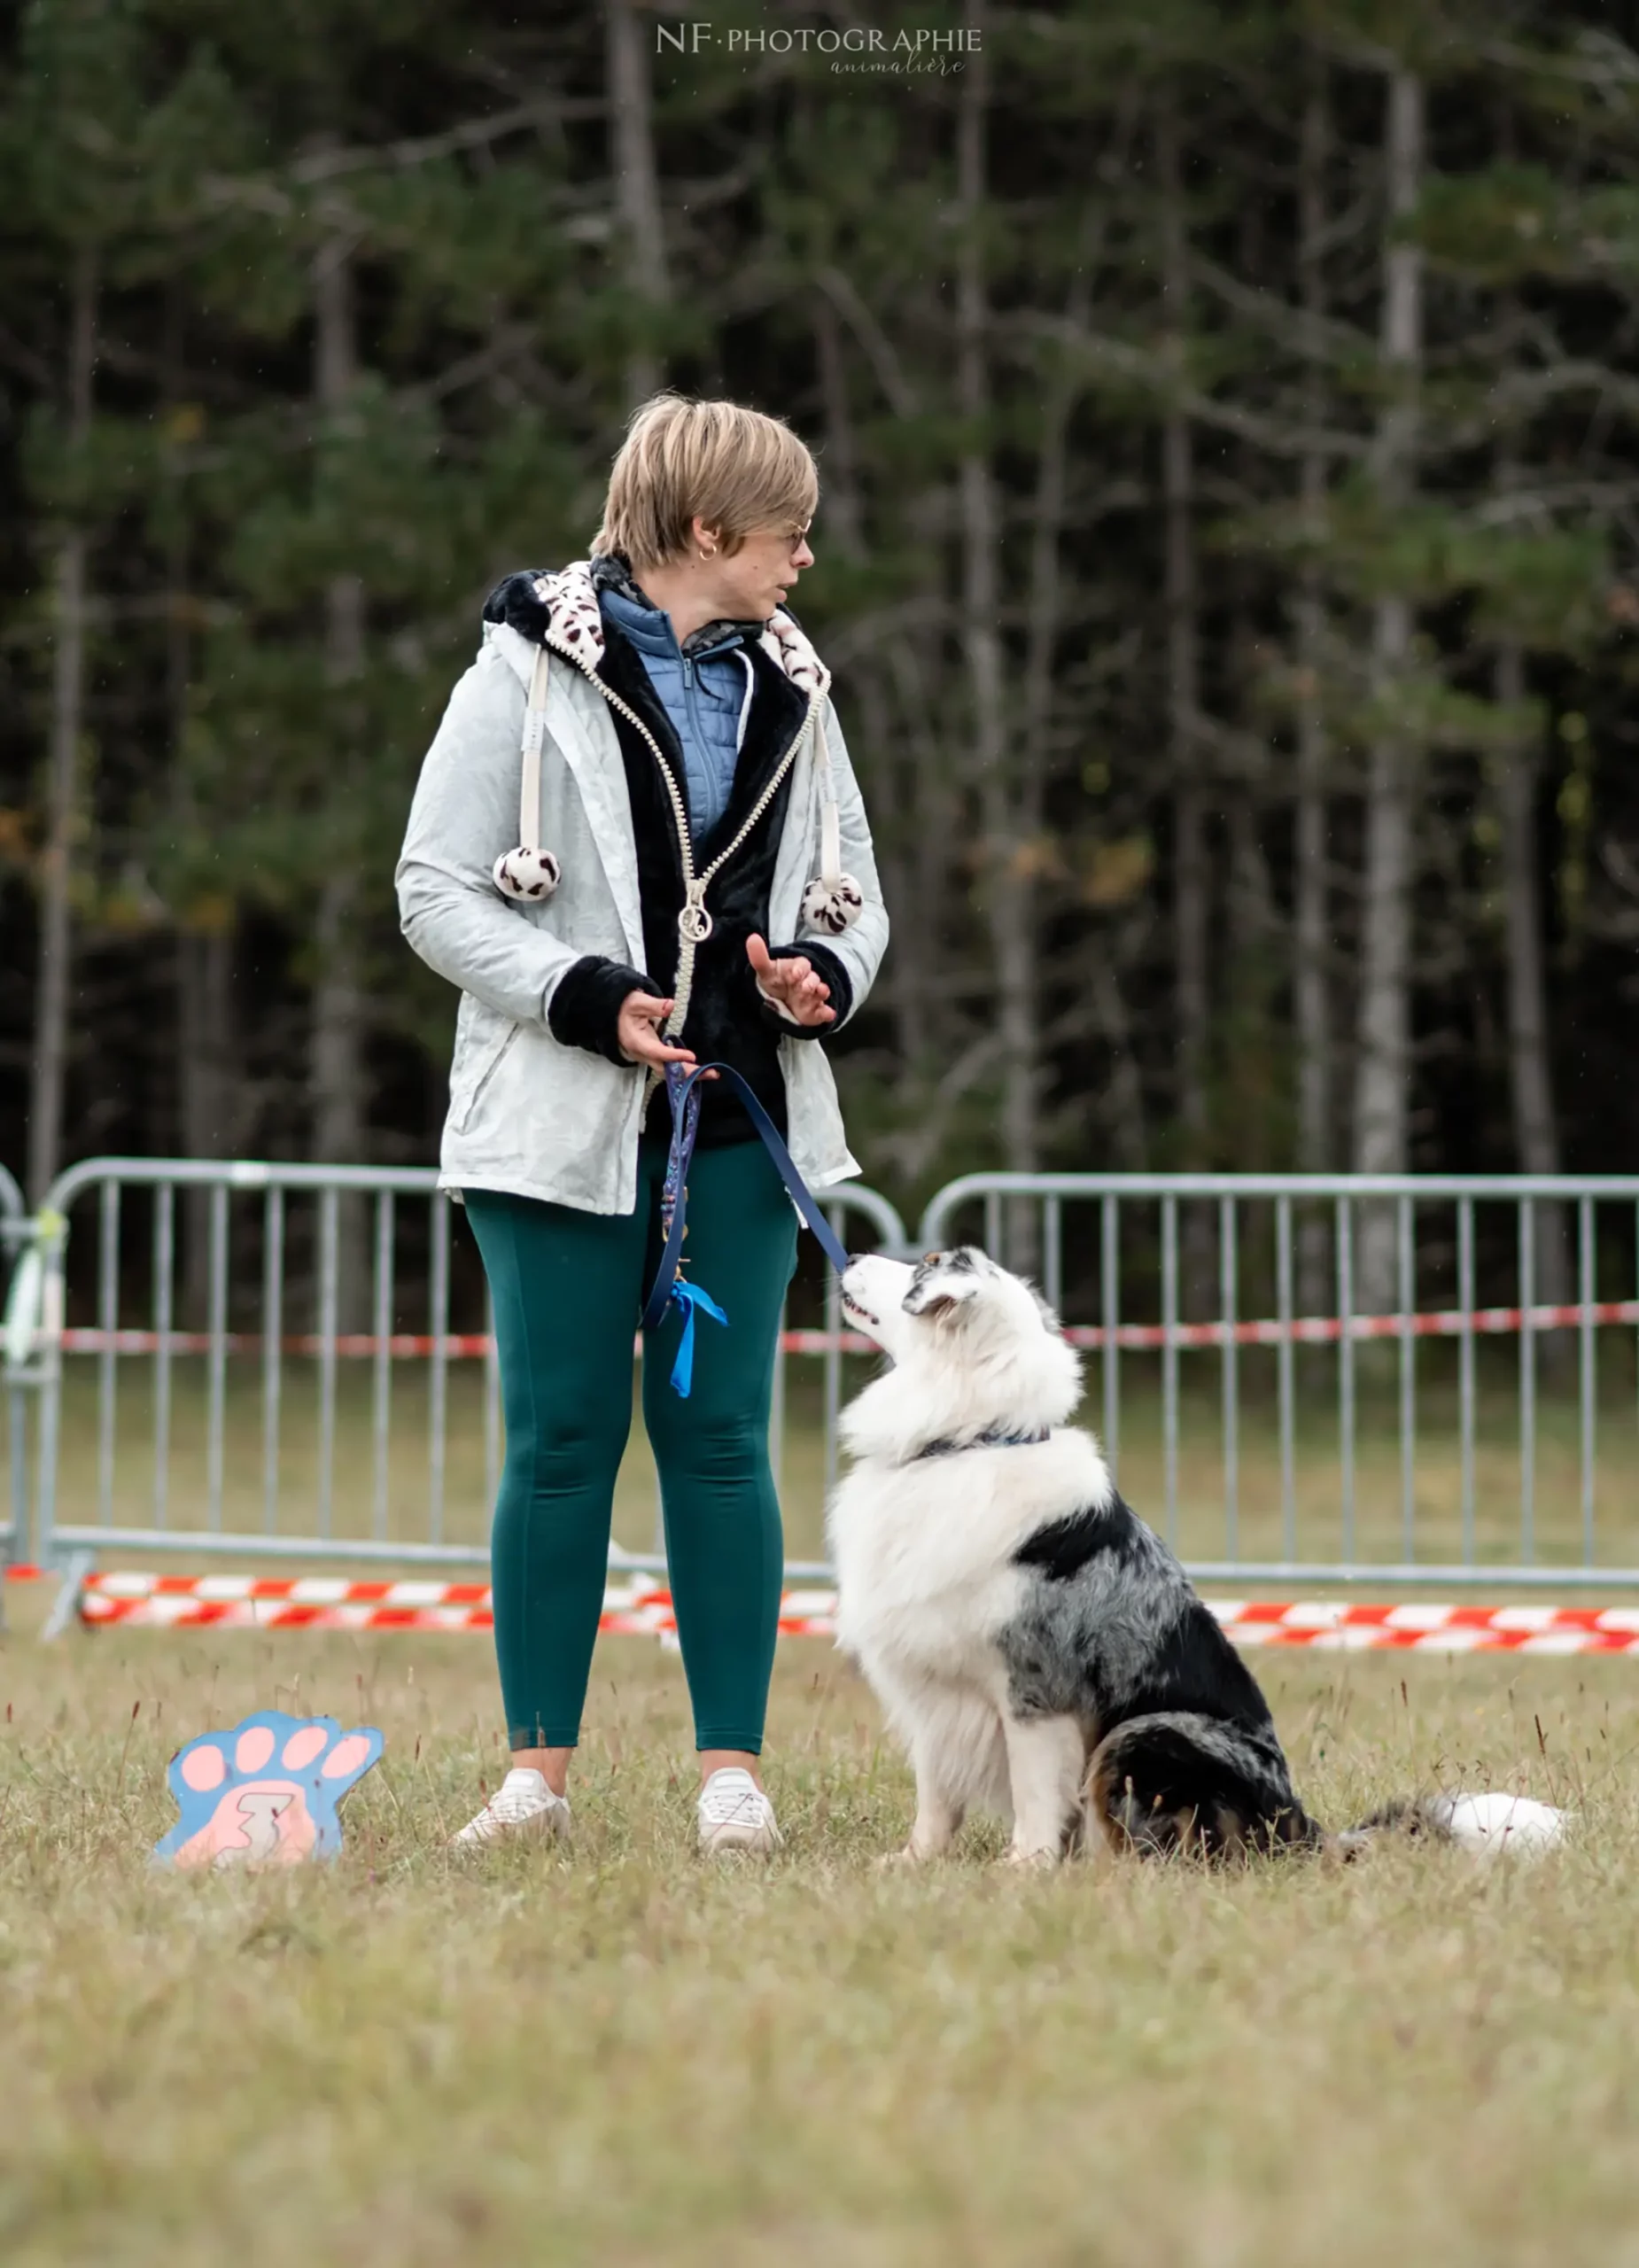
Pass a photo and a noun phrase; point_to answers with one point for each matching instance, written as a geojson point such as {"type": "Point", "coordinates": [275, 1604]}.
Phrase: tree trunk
{"type": "Point", "coordinates": [1311, 938]}
{"type": "Point", "coordinates": [49, 1071]}
{"type": "Point", "coordinates": [1536, 1128]}
{"type": "Point", "coordinates": [207, 1085]}
{"type": "Point", "coordinates": [1312, 946]}
{"type": "Point", "coordinates": [1250, 959]}
{"type": "Point", "coordinates": [1050, 507]}
{"type": "Point", "coordinates": [924, 825]}
{"type": "Point", "coordinates": [912, 968]}
{"type": "Point", "coordinates": [208, 1120]}
{"type": "Point", "coordinates": [337, 1069]}
{"type": "Point", "coordinates": [637, 181]}
{"type": "Point", "coordinates": [1125, 1103]}
{"type": "Point", "coordinates": [1190, 882]}
{"type": "Point", "coordinates": [1009, 885]}
{"type": "Point", "coordinates": [1383, 1068]}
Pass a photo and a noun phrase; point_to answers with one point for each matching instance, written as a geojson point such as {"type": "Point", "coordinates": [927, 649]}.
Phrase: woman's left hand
{"type": "Point", "coordinates": [793, 981]}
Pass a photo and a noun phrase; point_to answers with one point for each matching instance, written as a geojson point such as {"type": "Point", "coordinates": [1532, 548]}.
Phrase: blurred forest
{"type": "Point", "coordinates": [1228, 543]}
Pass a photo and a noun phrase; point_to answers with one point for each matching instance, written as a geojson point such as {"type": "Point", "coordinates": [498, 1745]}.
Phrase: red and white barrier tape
{"type": "Point", "coordinates": [332, 1603]}
{"type": "Point", "coordinates": [1322, 1330]}
{"type": "Point", "coordinates": [320, 1603]}
{"type": "Point", "coordinates": [1420, 1627]}
{"type": "Point", "coordinates": [352, 1346]}
{"type": "Point", "coordinates": [1308, 1329]}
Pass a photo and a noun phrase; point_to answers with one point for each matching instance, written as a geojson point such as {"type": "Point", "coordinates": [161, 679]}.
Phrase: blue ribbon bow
{"type": "Point", "coordinates": [690, 1298]}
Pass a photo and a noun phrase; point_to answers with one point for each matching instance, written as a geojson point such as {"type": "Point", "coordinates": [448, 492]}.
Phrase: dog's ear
{"type": "Point", "coordinates": [940, 1292]}
{"type": "Point", "coordinates": [935, 1306]}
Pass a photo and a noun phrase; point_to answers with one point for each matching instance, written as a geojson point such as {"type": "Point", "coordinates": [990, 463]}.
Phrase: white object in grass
{"type": "Point", "coordinates": [1491, 1823]}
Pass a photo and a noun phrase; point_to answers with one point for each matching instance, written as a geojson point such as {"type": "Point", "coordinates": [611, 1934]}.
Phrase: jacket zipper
{"type": "Point", "coordinates": [695, 887]}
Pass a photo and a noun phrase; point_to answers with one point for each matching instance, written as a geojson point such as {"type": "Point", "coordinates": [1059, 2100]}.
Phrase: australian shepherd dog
{"type": "Point", "coordinates": [1038, 1649]}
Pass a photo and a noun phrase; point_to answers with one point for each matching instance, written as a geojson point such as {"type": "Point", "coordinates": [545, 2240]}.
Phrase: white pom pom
{"type": "Point", "coordinates": [834, 904]}
{"type": "Point", "coordinates": [527, 875]}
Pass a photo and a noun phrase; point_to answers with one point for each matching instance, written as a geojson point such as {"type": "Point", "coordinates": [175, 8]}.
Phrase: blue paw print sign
{"type": "Point", "coordinates": [265, 1794]}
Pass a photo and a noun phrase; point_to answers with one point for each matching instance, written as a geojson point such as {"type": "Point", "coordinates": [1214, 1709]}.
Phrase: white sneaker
{"type": "Point", "coordinates": [522, 1805]}
{"type": "Point", "coordinates": [735, 1814]}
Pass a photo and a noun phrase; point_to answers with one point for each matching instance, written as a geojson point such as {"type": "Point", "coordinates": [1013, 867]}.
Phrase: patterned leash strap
{"type": "Point", "coordinates": [670, 1289]}
{"type": "Point", "coordinates": [684, 1126]}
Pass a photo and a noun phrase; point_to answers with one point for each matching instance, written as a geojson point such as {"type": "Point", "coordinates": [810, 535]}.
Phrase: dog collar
{"type": "Point", "coordinates": [993, 1438]}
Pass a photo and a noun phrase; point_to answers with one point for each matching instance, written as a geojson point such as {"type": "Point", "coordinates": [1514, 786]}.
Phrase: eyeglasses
{"type": "Point", "coordinates": [793, 538]}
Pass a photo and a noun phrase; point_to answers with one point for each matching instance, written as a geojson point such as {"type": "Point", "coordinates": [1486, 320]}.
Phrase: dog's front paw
{"type": "Point", "coordinates": [1019, 1855]}
{"type": "Point", "coordinates": [921, 1850]}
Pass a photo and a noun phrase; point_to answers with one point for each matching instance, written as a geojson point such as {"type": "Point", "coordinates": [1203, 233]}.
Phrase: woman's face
{"type": "Point", "coordinates": [759, 577]}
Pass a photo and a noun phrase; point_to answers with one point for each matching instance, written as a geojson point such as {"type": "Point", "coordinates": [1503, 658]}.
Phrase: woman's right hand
{"type": "Point", "coordinates": [637, 1029]}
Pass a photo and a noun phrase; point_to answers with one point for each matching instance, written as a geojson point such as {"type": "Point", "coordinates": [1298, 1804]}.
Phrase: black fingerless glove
{"type": "Point", "coordinates": [584, 1011]}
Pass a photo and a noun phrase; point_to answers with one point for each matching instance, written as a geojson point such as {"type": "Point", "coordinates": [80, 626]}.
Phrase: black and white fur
{"type": "Point", "coordinates": [1036, 1645]}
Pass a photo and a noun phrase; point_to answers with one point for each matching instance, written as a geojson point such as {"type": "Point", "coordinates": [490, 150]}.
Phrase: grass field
{"type": "Point", "coordinates": [625, 2056]}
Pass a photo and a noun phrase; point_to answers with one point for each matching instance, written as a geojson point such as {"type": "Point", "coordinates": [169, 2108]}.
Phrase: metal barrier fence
{"type": "Point", "coordinates": [240, 1454]}
{"type": "Point", "coordinates": [1428, 1240]}
{"type": "Point", "coordinates": [1391, 1466]}
{"type": "Point", "coordinates": [16, 1233]}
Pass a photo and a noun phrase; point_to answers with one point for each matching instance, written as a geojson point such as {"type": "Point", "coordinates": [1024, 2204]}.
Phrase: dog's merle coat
{"type": "Point", "coordinates": [1182, 1746]}
{"type": "Point", "coordinates": [1039, 1648]}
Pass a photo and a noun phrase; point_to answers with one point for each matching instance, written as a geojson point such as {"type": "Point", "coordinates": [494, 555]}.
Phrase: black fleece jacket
{"type": "Point", "coordinates": [729, 1022]}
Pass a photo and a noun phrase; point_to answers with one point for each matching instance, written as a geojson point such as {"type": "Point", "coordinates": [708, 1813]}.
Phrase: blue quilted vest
{"type": "Point", "coordinates": [706, 693]}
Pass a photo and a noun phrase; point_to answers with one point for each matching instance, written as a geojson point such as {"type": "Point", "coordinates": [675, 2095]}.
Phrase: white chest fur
{"type": "Point", "coordinates": [924, 1551]}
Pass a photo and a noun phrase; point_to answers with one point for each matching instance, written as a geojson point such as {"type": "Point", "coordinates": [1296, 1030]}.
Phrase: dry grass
{"type": "Point", "coordinates": [627, 2057]}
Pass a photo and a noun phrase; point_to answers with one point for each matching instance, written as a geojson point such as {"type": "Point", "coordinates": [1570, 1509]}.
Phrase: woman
{"type": "Point", "coordinates": [694, 884]}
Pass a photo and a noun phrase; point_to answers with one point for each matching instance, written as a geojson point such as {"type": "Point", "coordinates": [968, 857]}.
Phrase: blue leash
{"type": "Point", "coordinates": [669, 1288]}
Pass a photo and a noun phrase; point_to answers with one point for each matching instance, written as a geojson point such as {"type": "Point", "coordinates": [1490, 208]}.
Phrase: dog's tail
{"type": "Point", "coordinates": [1484, 1824]}
{"type": "Point", "coordinates": [1175, 1781]}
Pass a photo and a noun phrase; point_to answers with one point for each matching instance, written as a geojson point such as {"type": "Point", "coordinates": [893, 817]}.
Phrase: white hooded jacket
{"type": "Point", "coordinates": [528, 1114]}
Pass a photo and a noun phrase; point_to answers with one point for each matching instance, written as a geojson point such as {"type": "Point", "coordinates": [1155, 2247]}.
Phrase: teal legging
{"type": "Point", "coordinates": [568, 1289]}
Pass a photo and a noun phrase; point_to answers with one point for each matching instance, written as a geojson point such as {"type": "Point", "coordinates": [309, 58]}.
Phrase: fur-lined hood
{"type": "Point", "coordinates": [561, 610]}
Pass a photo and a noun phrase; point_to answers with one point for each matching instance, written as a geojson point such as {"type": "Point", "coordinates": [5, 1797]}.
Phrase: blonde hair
{"type": "Point", "coordinates": [735, 467]}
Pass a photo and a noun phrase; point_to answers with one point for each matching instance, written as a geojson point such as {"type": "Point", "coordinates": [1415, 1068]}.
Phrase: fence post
{"type": "Point", "coordinates": [1229, 1305]}
{"type": "Point", "coordinates": [833, 1358]}
{"type": "Point", "coordinates": [1346, 1372]}
{"type": "Point", "coordinates": [15, 1243]}
{"type": "Point", "coordinates": [1285, 1366]}
{"type": "Point", "coordinates": [52, 1231]}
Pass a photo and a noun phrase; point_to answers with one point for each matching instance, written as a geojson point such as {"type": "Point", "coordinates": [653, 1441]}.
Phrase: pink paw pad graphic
{"type": "Point", "coordinates": [265, 1794]}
